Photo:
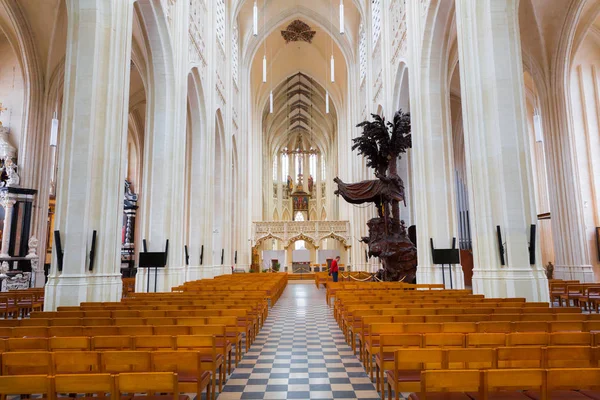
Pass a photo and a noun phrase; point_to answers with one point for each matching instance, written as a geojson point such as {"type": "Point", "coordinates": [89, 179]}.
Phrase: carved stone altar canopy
{"type": "Point", "coordinates": [311, 231]}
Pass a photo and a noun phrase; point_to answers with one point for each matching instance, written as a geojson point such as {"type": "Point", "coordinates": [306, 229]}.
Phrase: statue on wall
{"type": "Point", "coordinates": [13, 179]}
{"type": "Point", "coordinates": [382, 144]}
{"type": "Point", "coordinates": [32, 245]}
{"type": "Point", "coordinates": [311, 184]}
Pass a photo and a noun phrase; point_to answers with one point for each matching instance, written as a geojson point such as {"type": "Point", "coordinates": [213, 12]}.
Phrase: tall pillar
{"type": "Point", "coordinates": [571, 248]}
{"type": "Point", "coordinates": [501, 190]}
{"type": "Point", "coordinates": [432, 157]}
{"type": "Point", "coordinates": [92, 147]}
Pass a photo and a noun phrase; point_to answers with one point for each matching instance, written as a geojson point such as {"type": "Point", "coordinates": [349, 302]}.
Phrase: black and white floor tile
{"type": "Point", "coordinates": [300, 354]}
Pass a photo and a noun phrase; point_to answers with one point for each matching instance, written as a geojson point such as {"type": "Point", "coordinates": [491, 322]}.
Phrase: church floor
{"type": "Point", "coordinates": [300, 353]}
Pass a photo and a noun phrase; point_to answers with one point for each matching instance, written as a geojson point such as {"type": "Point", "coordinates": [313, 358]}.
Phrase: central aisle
{"type": "Point", "coordinates": [300, 354]}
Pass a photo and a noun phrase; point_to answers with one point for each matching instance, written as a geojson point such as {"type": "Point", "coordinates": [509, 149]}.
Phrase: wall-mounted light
{"type": "Point", "coordinates": [271, 102]}
{"type": "Point", "coordinates": [327, 102]}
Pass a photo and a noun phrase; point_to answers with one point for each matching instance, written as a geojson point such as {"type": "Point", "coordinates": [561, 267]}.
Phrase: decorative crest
{"type": "Point", "coordinates": [298, 31]}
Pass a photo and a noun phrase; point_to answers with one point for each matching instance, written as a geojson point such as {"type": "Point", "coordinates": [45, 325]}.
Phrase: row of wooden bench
{"type": "Point", "coordinates": [19, 303]}
{"type": "Point", "coordinates": [272, 285]}
{"type": "Point", "coordinates": [380, 323]}
{"type": "Point", "coordinates": [138, 385]}
{"type": "Point", "coordinates": [503, 384]}
{"type": "Point", "coordinates": [573, 292]}
{"type": "Point", "coordinates": [213, 323]}
{"type": "Point", "coordinates": [406, 365]}
{"type": "Point", "coordinates": [194, 356]}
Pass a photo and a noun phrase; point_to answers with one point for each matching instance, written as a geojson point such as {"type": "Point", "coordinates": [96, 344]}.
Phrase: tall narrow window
{"type": "Point", "coordinates": [313, 165]}
{"type": "Point", "coordinates": [285, 166]}
{"type": "Point", "coordinates": [221, 22]}
{"type": "Point", "coordinates": [323, 169]}
{"type": "Point", "coordinates": [362, 52]}
{"type": "Point", "coordinates": [275, 169]}
{"type": "Point", "coordinates": [235, 53]}
{"type": "Point", "coordinates": [376, 21]}
{"type": "Point", "coordinates": [298, 160]}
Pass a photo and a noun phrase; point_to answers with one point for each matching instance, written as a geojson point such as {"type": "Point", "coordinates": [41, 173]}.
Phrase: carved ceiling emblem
{"type": "Point", "coordinates": [298, 31]}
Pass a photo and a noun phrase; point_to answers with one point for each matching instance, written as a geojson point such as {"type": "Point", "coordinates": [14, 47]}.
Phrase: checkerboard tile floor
{"type": "Point", "coordinates": [300, 354]}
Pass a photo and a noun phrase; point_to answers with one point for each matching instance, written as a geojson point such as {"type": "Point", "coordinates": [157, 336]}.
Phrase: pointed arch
{"type": "Point", "coordinates": [197, 165]}
{"type": "Point", "coordinates": [218, 173]}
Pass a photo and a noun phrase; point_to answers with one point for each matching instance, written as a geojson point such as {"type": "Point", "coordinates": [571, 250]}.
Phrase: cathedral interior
{"type": "Point", "coordinates": [206, 153]}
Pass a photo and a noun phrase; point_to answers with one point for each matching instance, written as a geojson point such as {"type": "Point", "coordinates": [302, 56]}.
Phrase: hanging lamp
{"type": "Point", "coordinates": [342, 27]}
{"type": "Point", "coordinates": [255, 19]}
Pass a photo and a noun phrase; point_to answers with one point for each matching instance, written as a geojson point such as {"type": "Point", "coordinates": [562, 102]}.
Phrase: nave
{"type": "Point", "coordinates": [300, 353]}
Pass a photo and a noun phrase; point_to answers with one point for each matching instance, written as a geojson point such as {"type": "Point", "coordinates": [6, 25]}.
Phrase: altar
{"type": "Point", "coordinates": [301, 261]}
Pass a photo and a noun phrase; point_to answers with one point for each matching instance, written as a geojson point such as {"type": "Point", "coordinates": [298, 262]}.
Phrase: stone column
{"type": "Point", "coordinates": [130, 226]}
{"type": "Point", "coordinates": [571, 247]}
{"type": "Point", "coordinates": [432, 157]}
{"type": "Point", "coordinates": [92, 146]}
{"type": "Point", "coordinates": [501, 191]}
{"type": "Point", "coordinates": [7, 204]}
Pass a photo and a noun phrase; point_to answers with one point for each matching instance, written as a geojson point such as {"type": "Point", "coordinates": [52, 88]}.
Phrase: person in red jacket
{"type": "Point", "coordinates": [334, 268]}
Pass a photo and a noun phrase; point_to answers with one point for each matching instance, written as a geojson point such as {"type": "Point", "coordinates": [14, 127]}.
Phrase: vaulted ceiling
{"type": "Point", "coordinates": [299, 110]}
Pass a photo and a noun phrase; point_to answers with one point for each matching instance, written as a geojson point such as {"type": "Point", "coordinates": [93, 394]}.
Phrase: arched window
{"type": "Point", "coordinates": [285, 166]}
{"type": "Point", "coordinates": [313, 165]}
{"type": "Point", "coordinates": [376, 21]}
{"type": "Point", "coordinates": [221, 22]}
{"type": "Point", "coordinates": [298, 161]}
{"type": "Point", "coordinates": [235, 53]}
{"type": "Point", "coordinates": [362, 52]}
{"type": "Point", "coordinates": [275, 167]}
{"type": "Point", "coordinates": [323, 169]}
{"type": "Point", "coordinates": [299, 244]}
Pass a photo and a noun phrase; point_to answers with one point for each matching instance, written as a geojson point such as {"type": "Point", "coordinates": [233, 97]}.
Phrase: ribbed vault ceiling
{"type": "Point", "coordinates": [299, 110]}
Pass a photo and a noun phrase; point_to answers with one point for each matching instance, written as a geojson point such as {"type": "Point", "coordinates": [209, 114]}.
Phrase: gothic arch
{"type": "Point", "coordinates": [270, 236]}
{"type": "Point", "coordinates": [164, 144]}
{"type": "Point", "coordinates": [304, 237]}
{"type": "Point", "coordinates": [219, 172]}
{"type": "Point", "coordinates": [197, 165]}
{"type": "Point", "coordinates": [234, 193]}
{"type": "Point", "coordinates": [18, 32]}
{"type": "Point", "coordinates": [339, 238]}
{"type": "Point", "coordinates": [401, 88]}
